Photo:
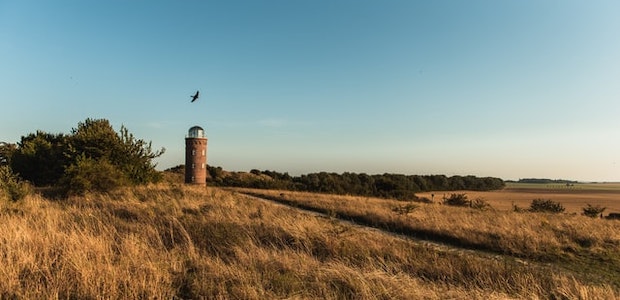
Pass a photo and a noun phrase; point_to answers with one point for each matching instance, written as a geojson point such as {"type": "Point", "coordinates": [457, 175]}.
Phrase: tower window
{"type": "Point", "coordinates": [193, 151]}
{"type": "Point", "coordinates": [203, 165]}
{"type": "Point", "coordinates": [193, 165]}
{"type": "Point", "coordinates": [204, 152]}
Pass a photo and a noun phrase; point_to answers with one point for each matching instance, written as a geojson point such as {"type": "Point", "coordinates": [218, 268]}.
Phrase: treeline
{"type": "Point", "coordinates": [381, 185]}
{"type": "Point", "coordinates": [545, 181]}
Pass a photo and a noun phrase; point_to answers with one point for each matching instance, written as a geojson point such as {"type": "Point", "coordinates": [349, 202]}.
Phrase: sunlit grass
{"type": "Point", "coordinates": [569, 241]}
{"type": "Point", "coordinates": [172, 241]}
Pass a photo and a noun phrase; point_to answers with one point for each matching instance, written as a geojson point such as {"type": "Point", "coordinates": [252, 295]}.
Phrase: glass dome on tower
{"type": "Point", "coordinates": [196, 132]}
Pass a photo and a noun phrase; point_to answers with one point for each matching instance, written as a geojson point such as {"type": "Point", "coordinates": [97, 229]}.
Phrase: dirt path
{"type": "Point", "coordinates": [580, 268]}
{"type": "Point", "coordinates": [437, 246]}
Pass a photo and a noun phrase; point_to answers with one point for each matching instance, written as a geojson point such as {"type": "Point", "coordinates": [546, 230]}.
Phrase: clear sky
{"type": "Point", "coordinates": [511, 89]}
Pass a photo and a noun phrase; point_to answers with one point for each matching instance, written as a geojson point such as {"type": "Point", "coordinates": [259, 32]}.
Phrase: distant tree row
{"type": "Point", "coordinates": [545, 181]}
{"type": "Point", "coordinates": [384, 185]}
{"type": "Point", "coordinates": [93, 157]}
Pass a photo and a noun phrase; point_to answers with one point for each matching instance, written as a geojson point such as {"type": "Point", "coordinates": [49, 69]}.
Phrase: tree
{"type": "Point", "coordinates": [421, 183]}
{"type": "Point", "coordinates": [137, 158]}
{"type": "Point", "coordinates": [457, 183]}
{"type": "Point", "coordinates": [216, 174]}
{"type": "Point", "coordinates": [40, 158]}
{"type": "Point", "coordinates": [440, 182]}
{"type": "Point", "coordinates": [96, 139]}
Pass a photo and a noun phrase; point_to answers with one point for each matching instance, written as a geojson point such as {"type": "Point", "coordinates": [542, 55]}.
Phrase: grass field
{"type": "Point", "coordinates": [573, 198]}
{"type": "Point", "coordinates": [183, 242]}
{"type": "Point", "coordinates": [577, 244]}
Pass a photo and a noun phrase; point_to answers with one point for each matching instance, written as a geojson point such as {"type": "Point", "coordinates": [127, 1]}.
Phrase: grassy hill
{"type": "Point", "coordinates": [172, 241]}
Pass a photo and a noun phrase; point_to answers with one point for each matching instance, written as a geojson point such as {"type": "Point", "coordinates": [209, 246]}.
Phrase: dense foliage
{"type": "Point", "coordinates": [381, 185]}
{"type": "Point", "coordinates": [41, 157]}
{"type": "Point", "coordinates": [6, 152]}
{"type": "Point", "coordinates": [546, 181]}
{"type": "Point", "coordinates": [93, 157]}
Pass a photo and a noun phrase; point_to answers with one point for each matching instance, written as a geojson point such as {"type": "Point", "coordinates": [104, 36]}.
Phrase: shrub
{"type": "Point", "coordinates": [457, 200]}
{"type": "Point", "coordinates": [422, 200]}
{"type": "Point", "coordinates": [404, 209]}
{"type": "Point", "coordinates": [461, 200]}
{"type": "Point", "coordinates": [10, 186]}
{"type": "Point", "coordinates": [6, 153]}
{"type": "Point", "coordinates": [90, 175]}
{"type": "Point", "coordinates": [480, 204]}
{"type": "Point", "coordinates": [546, 205]}
{"type": "Point", "coordinates": [518, 209]}
{"type": "Point", "coordinates": [593, 211]}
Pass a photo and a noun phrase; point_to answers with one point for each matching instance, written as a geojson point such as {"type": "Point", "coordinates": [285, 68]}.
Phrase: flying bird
{"type": "Point", "coordinates": [195, 97]}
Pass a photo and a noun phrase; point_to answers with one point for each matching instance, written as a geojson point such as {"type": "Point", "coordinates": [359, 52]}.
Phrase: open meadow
{"type": "Point", "coordinates": [172, 241]}
{"type": "Point", "coordinates": [573, 197]}
{"type": "Point", "coordinates": [588, 248]}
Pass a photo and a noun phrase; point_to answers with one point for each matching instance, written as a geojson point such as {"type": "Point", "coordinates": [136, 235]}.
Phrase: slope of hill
{"type": "Point", "coordinates": [170, 241]}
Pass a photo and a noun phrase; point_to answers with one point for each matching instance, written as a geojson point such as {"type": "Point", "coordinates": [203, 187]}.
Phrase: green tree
{"type": "Point", "coordinates": [40, 158]}
{"type": "Point", "coordinates": [96, 139]}
{"type": "Point", "coordinates": [421, 182]}
{"type": "Point", "coordinates": [136, 158]}
{"type": "Point", "coordinates": [92, 175]}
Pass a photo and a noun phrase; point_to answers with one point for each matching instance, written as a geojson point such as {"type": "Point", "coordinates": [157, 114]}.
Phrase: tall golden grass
{"type": "Point", "coordinates": [170, 241]}
{"type": "Point", "coordinates": [570, 241]}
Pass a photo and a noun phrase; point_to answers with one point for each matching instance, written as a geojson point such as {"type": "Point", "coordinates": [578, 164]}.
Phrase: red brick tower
{"type": "Point", "coordinates": [196, 156]}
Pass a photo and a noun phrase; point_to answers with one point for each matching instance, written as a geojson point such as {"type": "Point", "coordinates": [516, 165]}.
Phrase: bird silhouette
{"type": "Point", "coordinates": [195, 97]}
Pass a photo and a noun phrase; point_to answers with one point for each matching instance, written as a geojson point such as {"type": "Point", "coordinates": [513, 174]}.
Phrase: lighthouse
{"type": "Point", "coordinates": [196, 156]}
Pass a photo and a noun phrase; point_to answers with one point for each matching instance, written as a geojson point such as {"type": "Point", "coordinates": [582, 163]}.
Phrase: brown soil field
{"type": "Point", "coordinates": [573, 198]}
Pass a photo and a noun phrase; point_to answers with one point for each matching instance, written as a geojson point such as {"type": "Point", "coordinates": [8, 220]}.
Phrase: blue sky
{"type": "Point", "coordinates": [511, 89]}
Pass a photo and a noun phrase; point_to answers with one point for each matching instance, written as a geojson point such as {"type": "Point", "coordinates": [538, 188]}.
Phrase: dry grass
{"type": "Point", "coordinates": [574, 242]}
{"type": "Point", "coordinates": [171, 241]}
{"type": "Point", "coordinates": [573, 198]}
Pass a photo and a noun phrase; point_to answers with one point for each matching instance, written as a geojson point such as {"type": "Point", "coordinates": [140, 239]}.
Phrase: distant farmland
{"type": "Point", "coordinates": [573, 197]}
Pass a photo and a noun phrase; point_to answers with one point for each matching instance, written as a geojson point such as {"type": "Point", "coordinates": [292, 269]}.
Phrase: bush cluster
{"type": "Point", "coordinates": [94, 157]}
{"type": "Point", "coordinates": [463, 200]}
{"type": "Point", "coordinates": [405, 209]}
{"type": "Point", "coordinates": [11, 187]}
{"type": "Point", "coordinates": [546, 205]}
{"type": "Point", "coordinates": [457, 200]}
{"type": "Point", "coordinates": [593, 211]}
